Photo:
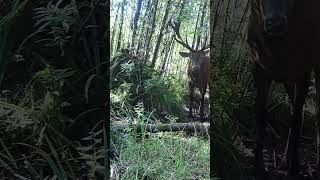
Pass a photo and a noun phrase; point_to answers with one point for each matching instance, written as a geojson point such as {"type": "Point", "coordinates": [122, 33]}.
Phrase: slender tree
{"type": "Point", "coordinates": [151, 29]}
{"type": "Point", "coordinates": [121, 25]}
{"type": "Point", "coordinates": [114, 29]}
{"type": "Point", "coordinates": [196, 27]}
{"type": "Point", "coordinates": [167, 53]}
{"type": "Point", "coordinates": [164, 24]}
{"type": "Point", "coordinates": [202, 22]}
{"type": "Point", "coordinates": [135, 22]}
{"type": "Point", "coordinates": [143, 29]}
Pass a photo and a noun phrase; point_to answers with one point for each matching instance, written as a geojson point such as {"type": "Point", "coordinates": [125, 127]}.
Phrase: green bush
{"type": "Point", "coordinates": [132, 82]}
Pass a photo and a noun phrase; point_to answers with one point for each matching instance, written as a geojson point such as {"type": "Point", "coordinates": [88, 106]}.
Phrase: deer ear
{"type": "Point", "coordinates": [184, 54]}
{"type": "Point", "coordinates": [206, 51]}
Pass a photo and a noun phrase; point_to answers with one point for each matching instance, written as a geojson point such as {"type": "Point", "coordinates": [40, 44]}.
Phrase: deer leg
{"type": "Point", "coordinates": [262, 86]}
{"type": "Point", "coordinates": [299, 99]}
{"type": "Point", "coordinates": [317, 84]}
{"type": "Point", "coordinates": [191, 87]}
{"type": "Point", "coordinates": [203, 92]}
{"type": "Point", "coordinates": [290, 90]}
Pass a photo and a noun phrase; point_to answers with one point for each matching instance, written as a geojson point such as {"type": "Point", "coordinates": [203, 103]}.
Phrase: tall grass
{"type": "Point", "coordinates": [32, 145]}
{"type": "Point", "coordinates": [157, 155]}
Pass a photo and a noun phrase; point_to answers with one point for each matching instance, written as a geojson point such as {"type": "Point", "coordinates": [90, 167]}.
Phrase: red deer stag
{"type": "Point", "coordinates": [284, 37]}
{"type": "Point", "coordinates": [198, 68]}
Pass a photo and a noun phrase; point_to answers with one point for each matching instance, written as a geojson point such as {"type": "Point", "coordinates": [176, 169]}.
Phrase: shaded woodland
{"type": "Point", "coordinates": [232, 115]}
{"type": "Point", "coordinates": [55, 74]}
{"type": "Point", "coordinates": [53, 60]}
{"type": "Point", "coordinates": [149, 95]}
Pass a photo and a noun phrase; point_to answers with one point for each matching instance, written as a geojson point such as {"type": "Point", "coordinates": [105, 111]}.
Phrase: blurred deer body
{"type": "Point", "coordinates": [285, 43]}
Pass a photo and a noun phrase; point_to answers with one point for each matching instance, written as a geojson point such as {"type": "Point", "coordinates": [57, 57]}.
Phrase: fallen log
{"type": "Point", "coordinates": [196, 128]}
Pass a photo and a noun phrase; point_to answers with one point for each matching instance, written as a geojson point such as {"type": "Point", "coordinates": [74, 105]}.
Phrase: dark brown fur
{"type": "Point", "coordinates": [201, 82]}
{"type": "Point", "coordinates": [289, 59]}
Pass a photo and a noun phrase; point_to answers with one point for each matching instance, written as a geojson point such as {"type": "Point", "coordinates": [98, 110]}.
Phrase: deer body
{"type": "Point", "coordinates": [198, 67]}
{"type": "Point", "coordinates": [284, 36]}
{"type": "Point", "coordinates": [198, 79]}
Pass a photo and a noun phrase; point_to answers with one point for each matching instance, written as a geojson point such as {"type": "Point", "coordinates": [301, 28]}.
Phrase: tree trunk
{"type": "Point", "coordinates": [181, 9]}
{"type": "Point", "coordinates": [143, 29]}
{"type": "Point", "coordinates": [165, 17]}
{"type": "Point", "coordinates": [170, 58]}
{"type": "Point", "coordinates": [196, 28]}
{"type": "Point", "coordinates": [168, 50]}
{"type": "Point", "coordinates": [199, 128]}
{"type": "Point", "coordinates": [201, 22]}
{"type": "Point", "coordinates": [114, 30]}
{"type": "Point", "coordinates": [135, 22]}
{"type": "Point", "coordinates": [223, 44]}
{"type": "Point", "coordinates": [121, 25]}
{"type": "Point", "coordinates": [151, 31]}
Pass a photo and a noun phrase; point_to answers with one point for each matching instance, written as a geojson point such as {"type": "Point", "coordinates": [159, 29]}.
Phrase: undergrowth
{"type": "Point", "coordinates": [141, 95]}
{"type": "Point", "coordinates": [32, 145]}
{"type": "Point", "coordinates": [163, 156]}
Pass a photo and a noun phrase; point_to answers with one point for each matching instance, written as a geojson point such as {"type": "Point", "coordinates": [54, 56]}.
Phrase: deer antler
{"type": "Point", "coordinates": [205, 46]}
{"type": "Point", "coordinates": [176, 28]}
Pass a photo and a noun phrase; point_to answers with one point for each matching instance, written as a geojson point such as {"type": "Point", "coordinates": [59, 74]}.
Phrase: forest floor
{"type": "Point", "coordinates": [275, 148]}
{"type": "Point", "coordinates": [169, 155]}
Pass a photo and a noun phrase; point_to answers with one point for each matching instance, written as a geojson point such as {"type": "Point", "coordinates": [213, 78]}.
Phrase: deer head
{"type": "Point", "coordinates": [196, 56]}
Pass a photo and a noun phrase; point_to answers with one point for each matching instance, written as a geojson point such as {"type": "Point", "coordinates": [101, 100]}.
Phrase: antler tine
{"type": "Point", "coordinates": [205, 46]}
{"type": "Point", "coordinates": [177, 37]}
{"type": "Point", "coordinates": [190, 48]}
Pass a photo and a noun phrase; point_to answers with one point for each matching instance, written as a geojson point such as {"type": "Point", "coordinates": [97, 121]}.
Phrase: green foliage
{"type": "Point", "coordinates": [138, 95]}
{"type": "Point", "coordinates": [165, 94]}
{"type": "Point", "coordinates": [186, 159]}
{"type": "Point", "coordinates": [226, 157]}
{"type": "Point", "coordinates": [24, 155]}
{"type": "Point", "coordinates": [57, 23]}
{"type": "Point", "coordinates": [226, 101]}
{"type": "Point", "coordinates": [32, 145]}
{"type": "Point", "coordinates": [135, 82]}
{"type": "Point", "coordinates": [59, 161]}
{"type": "Point", "coordinates": [93, 154]}
{"type": "Point", "coordinates": [52, 80]}
{"type": "Point", "coordinates": [231, 82]}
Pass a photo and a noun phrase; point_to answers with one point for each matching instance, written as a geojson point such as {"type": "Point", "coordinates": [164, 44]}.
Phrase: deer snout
{"type": "Point", "coordinates": [195, 69]}
{"type": "Point", "coordinates": [276, 25]}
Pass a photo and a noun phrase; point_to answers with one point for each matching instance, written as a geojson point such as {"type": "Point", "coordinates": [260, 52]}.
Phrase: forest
{"type": "Point", "coordinates": [145, 117]}
{"type": "Point", "coordinates": [149, 93]}
{"type": "Point", "coordinates": [178, 80]}
{"type": "Point", "coordinates": [53, 64]}
{"type": "Point", "coordinates": [234, 100]}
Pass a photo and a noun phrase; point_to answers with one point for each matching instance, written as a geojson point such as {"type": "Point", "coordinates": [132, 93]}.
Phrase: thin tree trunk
{"type": "Point", "coordinates": [121, 25]}
{"type": "Point", "coordinates": [143, 29]}
{"type": "Point", "coordinates": [180, 69]}
{"type": "Point", "coordinates": [168, 50]}
{"type": "Point", "coordinates": [201, 22]}
{"type": "Point", "coordinates": [114, 29]}
{"type": "Point", "coordinates": [135, 22]}
{"type": "Point", "coordinates": [170, 58]}
{"type": "Point", "coordinates": [181, 9]}
{"type": "Point", "coordinates": [156, 49]}
{"type": "Point", "coordinates": [151, 31]}
{"type": "Point", "coordinates": [196, 28]}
